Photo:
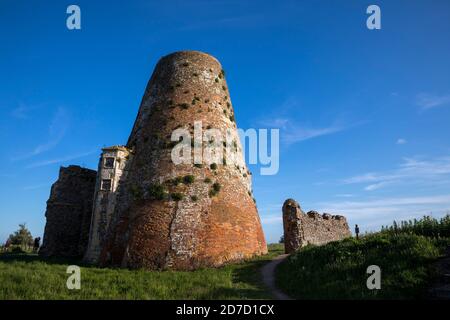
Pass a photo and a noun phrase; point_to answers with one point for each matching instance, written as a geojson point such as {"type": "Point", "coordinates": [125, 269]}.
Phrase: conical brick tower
{"type": "Point", "coordinates": [188, 215]}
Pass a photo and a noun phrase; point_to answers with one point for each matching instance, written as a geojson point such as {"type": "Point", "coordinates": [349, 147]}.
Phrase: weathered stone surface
{"type": "Point", "coordinates": [151, 226]}
{"type": "Point", "coordinates": [112, 171]}
{"type": "Point", "coordinates": [301, 229]}
{"type": "Point", "coordinates": [68, 214]}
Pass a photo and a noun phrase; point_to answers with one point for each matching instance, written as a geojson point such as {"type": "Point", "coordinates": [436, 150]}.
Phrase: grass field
{"type": "Point", "coordinates": [27, 276]}
{"type": "Point", "coordinates": [338, 270]}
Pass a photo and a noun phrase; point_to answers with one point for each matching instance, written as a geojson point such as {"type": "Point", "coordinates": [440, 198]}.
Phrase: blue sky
{"type": "Point", "coordinates": [364, 114]}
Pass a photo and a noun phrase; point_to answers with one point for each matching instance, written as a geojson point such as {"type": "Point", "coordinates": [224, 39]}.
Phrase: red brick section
{"type": "Point", "coordinates": [203, 228]}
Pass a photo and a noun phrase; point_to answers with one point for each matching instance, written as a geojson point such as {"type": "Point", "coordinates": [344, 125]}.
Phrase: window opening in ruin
{"type": "Point", "coordinates": [106, 184]}
{"type": "Point", "coordinates": [109, 162]}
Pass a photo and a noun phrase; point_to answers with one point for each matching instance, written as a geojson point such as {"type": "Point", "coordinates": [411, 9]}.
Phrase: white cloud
{"type": "Point", "coordinates": [59, 160]}
{"type": "Point", "coordinates": [376, 186]}
{"type": "Point", "coordinates": [292, 132]}
{"type": "Point", "coordinates": [33, 187]}
{"type": "Point", "coordinates": [411, 171]}
{"type": "Point", "coordinates": [401, 141]}
{"type": "Point", "coordinates": [375, 211]}
{"type": "Point", "coordinates": [344, 195]}
{"type": "Point", "coordinates": [57, 130]}
{"type": "Point", "coordinates": [272, 219]}
{"type": "Point", "coordinates": [298, 133]}
{"type": "Point", "coordinates": [429, 101]}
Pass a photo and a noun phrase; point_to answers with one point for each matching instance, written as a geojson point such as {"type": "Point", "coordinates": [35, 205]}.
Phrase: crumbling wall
{"type": "Point", "coordinates": [301, 229]}
{"type": "Point", "coordinates": [68, 213]}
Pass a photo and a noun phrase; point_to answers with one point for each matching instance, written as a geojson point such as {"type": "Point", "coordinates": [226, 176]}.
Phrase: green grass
{"type": "Point", "coordinates": [27, 276]}
{"type": "Point", "coordinates": [338, 270]}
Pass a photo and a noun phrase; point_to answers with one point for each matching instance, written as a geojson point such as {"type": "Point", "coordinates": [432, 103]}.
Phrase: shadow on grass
{"type": "Point", "coordinates": [245, 277]}
{"type": "Point", "coordinates": [34, 257]}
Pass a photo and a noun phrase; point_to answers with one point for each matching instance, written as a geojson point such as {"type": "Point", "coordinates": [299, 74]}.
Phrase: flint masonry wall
{"type": "Point", "coordinates": [68, 213]}
{"type": "Point", "coordinates": [163, 220]}
{"type": "Point", "coordinates": [301, 229]}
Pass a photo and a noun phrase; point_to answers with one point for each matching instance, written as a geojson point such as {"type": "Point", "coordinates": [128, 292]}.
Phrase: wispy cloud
{"type": "Point", "coordinates": [344, 195]}
{"type": "Point", "coordinates": [401, 141]}
{"type": "Point", "coordinates": [292, 132]}
{"type": "Point", "coordinates": [297, 133]}
{"type": "Point", "coordinates": [271, 219]}
{"type": "Point", "coordinates": [388, 209]}
{"type": "Point", "coordinates": [56, 131]}
{"type": "Point", "coordinates": [429, 101]}
{"type": "Point", "coordinates": [34, 187]}
{"type": "Point", "coordinates": [22, 111]}
{"type": "Point", "coordinates": [60, 160]}
{"type": "Point", "coordinates": [412, 170]}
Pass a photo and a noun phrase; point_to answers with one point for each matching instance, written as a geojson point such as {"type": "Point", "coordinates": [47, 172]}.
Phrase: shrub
{"type": "Point", "coordinates": [337, 270]}
{"type": "Point", "coordinates": [176, 196]}
{"type": "Point", "coordinates": [198, 165]}
{"type": "Point", "coordinates": [216, 186]}
{"type": "Point", "coordinates": [207, 180]}
{"type": "Point", "coordinates": [177, 180]}
{"type": "Point", "coordinates": [188, 179]}
{"type": "Point", "coordinates": [136, 192]}
{"type": "Point", "coordinates": [183, 105]}
{"type": "Point", "coordinates": [157, 192]}
{"type": "Point", "coordinates": [213, 166]}
{"type": "Point", "coordinates": [17, 249]}
{"type": "Point", "coordinates": [21, 237]}
{"type": "Point", "coordinates": [215, 189]}
{"type": "Point", "coordinates": [194, 198]}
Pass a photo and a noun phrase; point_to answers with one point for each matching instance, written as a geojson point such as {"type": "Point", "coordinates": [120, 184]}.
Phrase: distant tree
{"type": "Point", "coordinates": [281, 239]}
{"type": "Point", "coordinates": [21, 237]}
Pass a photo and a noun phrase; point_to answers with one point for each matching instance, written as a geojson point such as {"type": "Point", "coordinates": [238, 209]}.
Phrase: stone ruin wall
{"type": "Point", "coordinates": [302, 229]}
{"type": "Point", "coordinates": [166, 233]}
{"type": "Point", "coordinates": [68, 213]}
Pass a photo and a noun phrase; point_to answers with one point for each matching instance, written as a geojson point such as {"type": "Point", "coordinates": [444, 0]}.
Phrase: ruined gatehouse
{"type": "Point", "coordinates": [147, 211]}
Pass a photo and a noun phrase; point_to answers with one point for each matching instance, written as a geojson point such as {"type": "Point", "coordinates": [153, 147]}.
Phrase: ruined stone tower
{"type": "Point", "coordinates": [301, 229]}
{"type": "Point", "coordinates": [186, 215]}
{"type": "Point", "coordinates": [68, 214]}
